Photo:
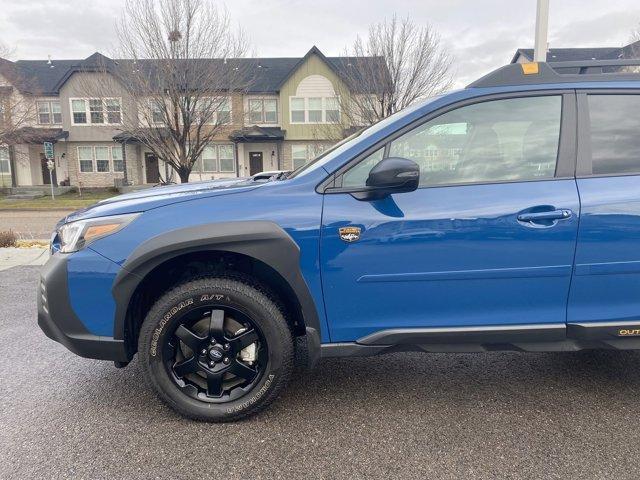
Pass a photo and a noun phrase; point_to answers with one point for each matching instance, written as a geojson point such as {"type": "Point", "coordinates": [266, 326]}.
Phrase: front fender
{"type": "Point", "coordinates": [262, 240]}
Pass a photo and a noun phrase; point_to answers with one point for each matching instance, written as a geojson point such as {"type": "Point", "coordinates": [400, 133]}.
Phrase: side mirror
{"type": "Point", "coordinates": [391, 175]}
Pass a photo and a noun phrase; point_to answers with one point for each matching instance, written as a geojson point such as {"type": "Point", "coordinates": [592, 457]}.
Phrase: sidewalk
{"type": "Point", "coordinates": [18, 257]}
{"type": "Point", "coordinates": [31, 225]}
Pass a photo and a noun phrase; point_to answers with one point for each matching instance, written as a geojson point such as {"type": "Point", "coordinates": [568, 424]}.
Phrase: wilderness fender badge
{"type": "Point", "coordinates": [349, 234]}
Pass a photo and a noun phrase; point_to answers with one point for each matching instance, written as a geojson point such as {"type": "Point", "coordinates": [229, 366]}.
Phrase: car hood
{"type": "Point", "coordinates": [155, 197]}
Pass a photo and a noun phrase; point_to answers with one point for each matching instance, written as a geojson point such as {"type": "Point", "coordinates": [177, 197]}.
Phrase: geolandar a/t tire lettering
{"type": "Point", "coordinates": [216, 348]}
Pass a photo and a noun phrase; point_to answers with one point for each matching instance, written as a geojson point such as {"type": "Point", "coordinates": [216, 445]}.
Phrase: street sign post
{"type": "Point", "coordinates": [48, 154]}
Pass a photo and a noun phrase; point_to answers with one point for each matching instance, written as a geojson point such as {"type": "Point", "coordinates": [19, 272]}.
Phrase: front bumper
{"type": "Point", "coordinates": [58, 321]}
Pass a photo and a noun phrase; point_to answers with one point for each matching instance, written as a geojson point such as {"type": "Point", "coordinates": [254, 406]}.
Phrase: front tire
{"type": "Point", "coordinates": [216, 349]}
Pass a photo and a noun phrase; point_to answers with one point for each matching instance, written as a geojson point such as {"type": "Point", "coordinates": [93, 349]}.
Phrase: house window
{"type": "Point", "coordinates": [96, 111]}
{"type": "Point", "coordinates": [255, 111]}
{"type": "Point", "coordinates": [297, 110]}
{"type": "Point", "coordinates": [263, 111]}
{"type": "Point", "coordinates": [5, 167]}
{"type": "Point", "coordinates": [49, 112]}
{"type": "Point", "coordinates": [44, 112]}
{"type": "Point", "coordinates": [299, 155]}
{"type": "Point", "coordinates": [224, 111]}
{"type": "Point", "coordinates": [113, 110]}
{"type": "Point", "coordinates": [332, 110]}
{"type": "Point", "coordinates": [209, 159]}
{"type": "Point", "coordinates": [302, 154]}
{"type": "Point", "coordinates": [102, 159]}
{"type": "Point", "coordinates": [227, 163]}
{"type": "Point", "coordinates": [85, 157]}
{"type": "Point", "coordinates": [270, 111]}
{"type": "Point", "coordinates": [116, 157]}
{"type": "Point", "coordinates": [79, 111]}
{"type": "Point", "coordinates": [157, 111]}
{"type": "Point", "coordinates": [217, 158]}
{"type": "Point", "coordinates": [315, 110]}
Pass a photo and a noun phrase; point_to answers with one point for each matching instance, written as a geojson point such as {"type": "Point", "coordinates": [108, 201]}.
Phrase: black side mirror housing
{"type": "Point", "coordinates": [391, 175]}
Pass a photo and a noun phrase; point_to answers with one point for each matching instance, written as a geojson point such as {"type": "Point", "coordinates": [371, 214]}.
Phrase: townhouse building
{"type": "Point", "coordinates": [289, 113]}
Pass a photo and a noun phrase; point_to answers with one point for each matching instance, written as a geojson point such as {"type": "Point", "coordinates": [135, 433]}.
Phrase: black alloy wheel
{"type": "Point", "coordinates": [216, 354]}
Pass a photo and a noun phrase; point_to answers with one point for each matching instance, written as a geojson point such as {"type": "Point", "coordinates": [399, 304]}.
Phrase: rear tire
{"type": "Point", "coordinates": [216, 349]}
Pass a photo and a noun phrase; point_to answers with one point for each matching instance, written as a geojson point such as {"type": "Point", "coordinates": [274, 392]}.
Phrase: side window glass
{"type": "Point", "coordinates": [500, 140]}
{"type": "Point", "coordinates": [357, 176]}
{"type": "Point", "coordinates": [615, 134]}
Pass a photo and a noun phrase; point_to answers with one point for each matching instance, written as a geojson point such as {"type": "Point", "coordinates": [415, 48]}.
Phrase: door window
{"type": "Point", "coordinates": [615, 139]}
{"type": "Point", "coordinates": [496, 141]}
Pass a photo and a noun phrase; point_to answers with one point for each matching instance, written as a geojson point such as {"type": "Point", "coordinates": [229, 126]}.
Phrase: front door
{"type": "Point", "coordinates": [46, 176]}
{"type": "Point", "coordinates": [151, 167]}
{"type": "Point", "coordinates": [255, 163]}
{"type": "Point", "coordinates": [486, 240]}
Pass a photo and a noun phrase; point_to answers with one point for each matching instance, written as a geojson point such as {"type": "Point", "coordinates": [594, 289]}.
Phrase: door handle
{"type": "Point", "coordinates": [534, 217]}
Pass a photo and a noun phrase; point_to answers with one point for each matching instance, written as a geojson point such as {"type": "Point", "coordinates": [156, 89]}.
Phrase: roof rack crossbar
{"type": "Point", "coordinates": [552, 72]}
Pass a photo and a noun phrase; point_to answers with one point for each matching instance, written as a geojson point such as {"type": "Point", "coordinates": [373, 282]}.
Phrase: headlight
{"type": "Point", "coordinates": [74, 236]}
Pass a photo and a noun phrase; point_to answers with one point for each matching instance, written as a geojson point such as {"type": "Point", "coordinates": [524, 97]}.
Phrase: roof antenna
{"type": "Point", "coordinates": [49, 62]}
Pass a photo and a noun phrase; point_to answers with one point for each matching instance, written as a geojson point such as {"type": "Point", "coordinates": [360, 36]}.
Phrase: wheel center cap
{"type": "Point", "coordinates": [216, 354]}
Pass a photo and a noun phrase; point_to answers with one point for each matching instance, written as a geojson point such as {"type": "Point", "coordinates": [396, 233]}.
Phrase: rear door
{"type": "Point", "coordinates": [606, 284]}
{"type": "Point", "coordinates": [487, 240]}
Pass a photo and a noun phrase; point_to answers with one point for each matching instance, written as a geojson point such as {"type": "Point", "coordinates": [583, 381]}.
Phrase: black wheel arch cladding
{"type": "Point", "coordinates": [264, 241]}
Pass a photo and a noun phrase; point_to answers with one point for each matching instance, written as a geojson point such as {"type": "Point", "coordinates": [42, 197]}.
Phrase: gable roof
{"type": "Point", "coordinates": [578, 54]}
{"type": "Point", "coordinates": [267, 74]}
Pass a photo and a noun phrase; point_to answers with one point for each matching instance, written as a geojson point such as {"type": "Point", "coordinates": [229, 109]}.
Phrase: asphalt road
{"type": "Point", "coordinates": [498, 415]}
{"type": "Point", "coordinates": [31, 224]}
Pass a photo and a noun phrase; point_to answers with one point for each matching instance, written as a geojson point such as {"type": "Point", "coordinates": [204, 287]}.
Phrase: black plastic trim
{"type": "Point", "coordinates": [265, 241]}
{"type": "Point", "coordinates": [58, 321]}
{"type": "Point", "coordinates": [493, 334]}
{"type": "Point", "coordinates": [525, 338]}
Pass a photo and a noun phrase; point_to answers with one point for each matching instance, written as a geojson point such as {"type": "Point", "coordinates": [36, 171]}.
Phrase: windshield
{"type": "Point", "coordinates": [304, 167]}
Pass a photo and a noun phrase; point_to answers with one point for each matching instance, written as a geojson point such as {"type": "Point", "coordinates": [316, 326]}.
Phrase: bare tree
{"type": "Point", "coordinates": [180, 67]}
{"type": "Point", "coordinates": [397, 64]}
{"type": "Point", "coordinates": [17, 101]}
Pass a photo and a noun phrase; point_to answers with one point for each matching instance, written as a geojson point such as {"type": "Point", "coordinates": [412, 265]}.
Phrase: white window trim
{"type": "Point", "coordinates": [88, 111]}
{"type": "Point", "coordinates": [214, 118]}
{"type": "Point", "coordinates": [306, 111]}
{"type": "Point", "coordinates": [263, 111]}
{"type": "Point", "coordinates": [219, 170]}
{"type": "Point", "coordinates": [94, 160]}
{"type": "Point", "coordinates": [49, 103]}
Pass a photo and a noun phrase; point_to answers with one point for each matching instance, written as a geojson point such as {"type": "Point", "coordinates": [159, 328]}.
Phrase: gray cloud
{"type": "Point", "coordinates": [482, 35]}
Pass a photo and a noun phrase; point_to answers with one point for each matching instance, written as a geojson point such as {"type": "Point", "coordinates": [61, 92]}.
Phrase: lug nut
{"type": "Point", "coordinates": [227, 346]}
{"type": "Point", "coordinates": [204, 351]}
{"type": "Point", "coordinates": [226, 360]}
{"type": "Point", "coordinates": [212, 364]}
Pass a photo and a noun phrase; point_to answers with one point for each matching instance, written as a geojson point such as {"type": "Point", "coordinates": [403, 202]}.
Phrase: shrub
{"type": "Point", "coordinates": [7, 239]}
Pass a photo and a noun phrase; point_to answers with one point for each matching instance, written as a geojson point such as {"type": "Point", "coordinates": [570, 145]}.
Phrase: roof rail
{"type": "Point", "coordinates": [560, 72]}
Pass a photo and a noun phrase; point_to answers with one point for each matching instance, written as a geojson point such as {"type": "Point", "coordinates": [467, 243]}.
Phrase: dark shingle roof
{"type": "Point", "coordinates": [578, 54]}
{"type": "Point", "coordinates": [267, 74]}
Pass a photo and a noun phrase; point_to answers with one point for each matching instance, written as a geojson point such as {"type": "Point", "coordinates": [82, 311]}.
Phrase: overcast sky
{"type": "Point", "coordinates": [481, 34]}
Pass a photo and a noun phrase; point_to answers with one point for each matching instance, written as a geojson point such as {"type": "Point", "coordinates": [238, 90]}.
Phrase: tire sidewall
{"type": "Point", "coordinates": [164, 318]}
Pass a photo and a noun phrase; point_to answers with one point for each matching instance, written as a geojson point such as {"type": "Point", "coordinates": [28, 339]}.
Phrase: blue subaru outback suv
{"type": "Point", "coordinates": [504, 216]}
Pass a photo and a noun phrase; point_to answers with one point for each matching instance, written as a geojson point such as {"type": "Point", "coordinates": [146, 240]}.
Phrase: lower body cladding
{"type": "Point", "coordinates": [558, 337]}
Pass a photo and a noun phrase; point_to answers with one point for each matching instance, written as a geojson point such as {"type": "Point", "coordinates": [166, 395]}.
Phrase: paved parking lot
{"type": "Point", "coordinates": [499, 415]}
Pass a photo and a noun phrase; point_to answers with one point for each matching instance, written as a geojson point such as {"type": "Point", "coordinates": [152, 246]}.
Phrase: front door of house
{"type": "Point", "coordinates": [255, 163]}
{"type": "Point", "coordinates": [46, 179]}
{"type": "Point", "coordinates": [151, 167]}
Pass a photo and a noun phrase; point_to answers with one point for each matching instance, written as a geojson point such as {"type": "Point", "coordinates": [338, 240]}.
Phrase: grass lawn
{"type": "Point", "coordinates": [67, 201]}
